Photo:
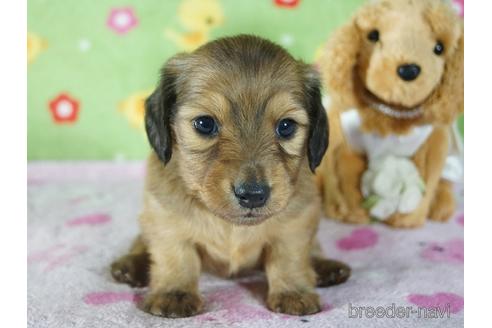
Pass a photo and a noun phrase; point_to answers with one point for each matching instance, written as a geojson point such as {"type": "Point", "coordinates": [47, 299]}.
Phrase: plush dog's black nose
{"type": "Point", "coordinates": [252, 195]}
{"type": "Point", "coordinates": [408, 72]}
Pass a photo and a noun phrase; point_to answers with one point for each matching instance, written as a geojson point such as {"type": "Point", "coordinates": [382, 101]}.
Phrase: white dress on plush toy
{"type": "Point", "coordinates": [374, 145]}
{"type": "Point", "coordinates": [392, 182]}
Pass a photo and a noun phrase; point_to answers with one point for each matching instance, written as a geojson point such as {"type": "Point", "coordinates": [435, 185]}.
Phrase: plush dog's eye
{"type": "Point", "coordinates": [286, 128]}
{"type": "Point", "coordinates": [205, 125]}
{"type": "Point", "coordinates": [373, 36]}
{"type": "Point", "coordinates": [439, 48]}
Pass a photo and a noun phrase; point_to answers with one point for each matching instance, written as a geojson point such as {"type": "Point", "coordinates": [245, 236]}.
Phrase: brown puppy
{"type": "Point", "coordinates": [399, 64]}
{"type": "Point", "coordinates": [237, 128]}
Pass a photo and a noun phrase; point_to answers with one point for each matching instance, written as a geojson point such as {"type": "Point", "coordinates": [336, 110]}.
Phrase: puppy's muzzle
{"type": "Point", "coordinates": [252, 194]}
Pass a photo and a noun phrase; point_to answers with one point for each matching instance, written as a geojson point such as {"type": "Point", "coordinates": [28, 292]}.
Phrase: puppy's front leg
{"type": "Point", "coordinates": [133, 268]}
{"type": "Point", "coordinates": [174, 274]}
{"type": "Point", "coordinates": [291, 279]}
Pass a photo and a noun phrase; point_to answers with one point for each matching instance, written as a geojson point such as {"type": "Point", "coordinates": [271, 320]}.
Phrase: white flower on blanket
{"type": "Point", "coordinates": [391, 184]}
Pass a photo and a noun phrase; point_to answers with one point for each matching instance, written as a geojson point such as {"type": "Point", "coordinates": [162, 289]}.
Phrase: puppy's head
{"type": "Point", "coordinates": [402, 53]}
{"type": "Point", "coordinates": [242, 118]}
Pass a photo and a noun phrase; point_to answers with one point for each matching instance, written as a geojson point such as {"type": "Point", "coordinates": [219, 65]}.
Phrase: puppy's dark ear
{"type": "Point", "coordinates": [318, 121]}
{"type": "Point", "coordinates": [160, 108]}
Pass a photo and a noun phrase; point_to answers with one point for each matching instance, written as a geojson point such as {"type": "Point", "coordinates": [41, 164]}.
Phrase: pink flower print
{"type": "Point", "coordinates": [64, 108]}
{"type": "Point", "coordinates": [359, 239]}
{"type": "Point", "coordinates": [231, 305]}
{"type": "Point", "coordinates": [56, 255]}
{"type": "Point", "coordinates": [459, 7]}
{"type": "Point", "coordinates": [451, 251]}
{"type": "Point", "coordinates": [287, 3]}
{"type": "Point", "coordinates": [442, 301]}
{"type": "Point", "coordinates": [122, 20]}
{"type": "Point", "coordinates": [461, 219]}
{"type": "Point", "coordinates": [90, 220]}
{"type": "Point", "coordinates": [44, 255]}
{"type": "Point", "coordinates": [103, 298]}
{"type": "Point", "coordinates": [66, 257]}
{"type": "Point", "coordinates": [228, 305]}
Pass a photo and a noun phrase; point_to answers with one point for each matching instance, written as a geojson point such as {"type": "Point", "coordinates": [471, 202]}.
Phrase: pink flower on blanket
{"type": "Point", "coordinates": [461, 219]}
{"type": "Point", "coordinates": [441, 301]}
{"type": "Point", "coordinates": [359, 239]}
{"type": "Point", "coordinates": [90, 220]}
{"type": "Point", "coordinates": [451, 251]}
{"type": "Point", "coordinates": [122, 20]}
{"type": "Point", "coordinates": [56, 256]}
{"type": "Point", "coordinates": [103, 298]}
{"type": "Point", "coordinates": [45, 254]}
{"type": "Point", "coordinates": [228, 305]}
{"type": "Point", "coordinates": [235, 304]}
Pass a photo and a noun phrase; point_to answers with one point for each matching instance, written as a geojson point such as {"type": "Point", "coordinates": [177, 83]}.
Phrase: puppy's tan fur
{"type": "Point", "coordinates": [356, 69]}
{"type": "Point", "coordinates": [191, 220]}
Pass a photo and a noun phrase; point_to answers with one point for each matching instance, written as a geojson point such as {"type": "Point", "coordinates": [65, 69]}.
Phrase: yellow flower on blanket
{"type": "Point", "coordinates": [133, 108]}
{"type": "Point", "coordinates": [35, 45]}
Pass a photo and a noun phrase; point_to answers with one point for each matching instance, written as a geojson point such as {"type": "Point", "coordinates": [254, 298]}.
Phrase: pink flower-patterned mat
{"type": "Point", "coordinates": [82, 215]}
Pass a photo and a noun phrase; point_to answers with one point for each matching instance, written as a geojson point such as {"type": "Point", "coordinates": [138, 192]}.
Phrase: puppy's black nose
{"type": "Point", "coordinates": [252, 195]}
{"type": "Point", "coordinates": [408, 72]}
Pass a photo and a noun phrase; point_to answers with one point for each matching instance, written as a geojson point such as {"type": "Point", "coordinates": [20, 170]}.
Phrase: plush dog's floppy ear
{"type": "Point", "coordinates": [318, 121]}
{"type": "Point", "coordinates": [447, 100]}
{"type": "Point", "coordinates": [160, 108]}
{"type": "Point", "coordinates": [338, 62]}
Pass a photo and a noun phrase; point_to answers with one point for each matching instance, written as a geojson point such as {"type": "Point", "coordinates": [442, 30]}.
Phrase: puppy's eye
{"type": "Point", "coordinates": [205, 125]}
{"type": "Point", "coordinates": [373, 36]}
{"type": "Point", "coordinates": [439, 48]}
{"type": "Point", "coordinates": [286, 128]}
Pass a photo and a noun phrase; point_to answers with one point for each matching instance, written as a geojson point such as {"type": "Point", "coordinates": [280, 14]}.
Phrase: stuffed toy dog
{"type": "Point", "coordinates": [395, 77]}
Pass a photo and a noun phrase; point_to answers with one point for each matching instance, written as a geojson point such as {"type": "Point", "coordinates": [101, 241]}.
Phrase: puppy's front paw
{"type": "Point", "coordinates": [176, 304]}
{"type": "Point", "coordinates": [330, 272]}
{"type": "Point", "coordinates": [132, 269]}
{"type": "Point", "coordinates": [294, 303]}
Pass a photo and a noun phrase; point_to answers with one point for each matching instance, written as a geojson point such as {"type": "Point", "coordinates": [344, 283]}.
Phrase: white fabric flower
{"type": "Point", "coordinates": [383, 208]}
{"type": "Point", "coordinates": [391, 184]}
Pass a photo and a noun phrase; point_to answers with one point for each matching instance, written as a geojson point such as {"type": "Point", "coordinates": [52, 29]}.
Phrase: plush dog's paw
{"type": "Point", "coordinates": [294, 303]}
{"type": "Point", "coordinates": [336, 211]}
{"type": "Point", "coordinates": [412, 220]}
{"type": "Point", "coordinates": [132, 269]}
{"type": "Point", "coordinates": [357, 216]}
{"type": "Point", "coordinates": [340, 212]}
{"type": "Point", "coordinates": [442, 213]}
{"type": "Point", "coordinates": [330, 272]}
{"type": "Point", "coordinates": [444, 203]}
{"type": "Point", "coordinates": [175, 304]}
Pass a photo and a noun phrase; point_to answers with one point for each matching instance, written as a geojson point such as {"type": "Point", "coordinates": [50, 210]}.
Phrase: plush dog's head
{"type": "Point", "coordinates": [241, 118]}
{"type": "Point", "coordinates": [403, 54]}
